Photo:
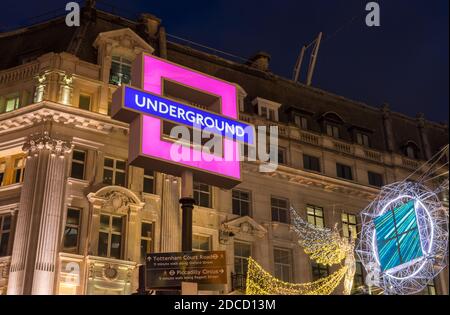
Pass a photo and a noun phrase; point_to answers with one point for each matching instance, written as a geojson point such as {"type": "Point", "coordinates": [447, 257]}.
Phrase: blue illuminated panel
{"type": "Point", "coordinates": [398, 238]}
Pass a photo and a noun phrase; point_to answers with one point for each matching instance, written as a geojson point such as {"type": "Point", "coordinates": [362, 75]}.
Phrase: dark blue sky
{"type": "Point", "coordinates": [403, 62]}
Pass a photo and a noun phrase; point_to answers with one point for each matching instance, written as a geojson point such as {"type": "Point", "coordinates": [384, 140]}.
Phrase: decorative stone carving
{"type": "Point", "coordinates": [65, 89]}
{"type": "Point", "coordinates": [40, 87]}
{"type": "Point", "coordinates": [45, 142]}
{"type": "Point", "coordinates": [110, 272]}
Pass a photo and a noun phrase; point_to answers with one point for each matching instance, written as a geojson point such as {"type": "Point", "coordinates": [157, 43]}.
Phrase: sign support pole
{"type": "Point", "coordinates": [187, 205]}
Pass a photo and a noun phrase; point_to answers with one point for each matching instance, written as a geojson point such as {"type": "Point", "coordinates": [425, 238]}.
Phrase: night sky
{"type": "Point", "coordinates": [404, 62]}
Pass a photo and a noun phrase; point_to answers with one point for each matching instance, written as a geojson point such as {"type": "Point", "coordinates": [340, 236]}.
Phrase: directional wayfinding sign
{"type": "Point", "coordinates": [168, 270]}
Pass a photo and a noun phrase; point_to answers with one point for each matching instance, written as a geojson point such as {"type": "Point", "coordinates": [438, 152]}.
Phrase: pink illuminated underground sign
{"type": "Point", "coordinates": [160, 95]}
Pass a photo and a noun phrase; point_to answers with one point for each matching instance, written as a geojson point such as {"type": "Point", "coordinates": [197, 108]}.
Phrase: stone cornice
{"type": "Point", "coordinates": [320, 181]}
{"type": "Point", "coordinates": [49, 111]}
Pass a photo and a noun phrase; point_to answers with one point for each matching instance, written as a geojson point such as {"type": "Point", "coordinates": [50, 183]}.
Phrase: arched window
{"type": "Point", "coordinates": [411, 150]}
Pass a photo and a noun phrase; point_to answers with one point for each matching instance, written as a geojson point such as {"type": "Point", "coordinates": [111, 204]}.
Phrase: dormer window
{"type": "Point", "coordinates": [332, 130]}
{"type": "Point", "coordinates": [362, 139]}
{"type": "Point", "coordinates": [267, 109]}
{"type": "Point", "coordinates": [332, 123]}
{"type": "Point", "coordinates": [411, 150]}
{"type": "Point", "coordinates": [120, 72]}
{"type": "Point", "coordinates": [301, 122]}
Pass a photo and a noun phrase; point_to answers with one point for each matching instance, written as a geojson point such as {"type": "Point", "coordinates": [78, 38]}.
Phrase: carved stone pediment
{"type": "Point", "coordinates": [124, 38]}
{"type": "Point", "coordinates": [116, 199]}
{"type": "Point", "coordinates": [245, 225]}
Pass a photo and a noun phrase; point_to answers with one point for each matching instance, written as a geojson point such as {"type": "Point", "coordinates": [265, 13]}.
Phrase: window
{"type": "Point", "coordinates": [242, 251]}
{"type": "Point", "coordinates": [12, 103]}
{"type": "Point", "coordinates": [344, 171]}
{"type": "Point", "coordinates": [120, 71]}
{"type": "Point", "coordinates": [282, 155]}
{"type": "Point", "coordinates": [5, 231]}
{"type": "Point", "coordinates": [149, 181]}
{"type": "Point", "coordinates": [283, 264]}
{"type": "Point", "coordinates": [84, 102]}
{"type": "Point", "coordinates": [375, 179]}
{"type": "Point", "coordinates": [242, 201]}
{"type": "Point", "coordinates": [201, 242]}
{"type": "Point", "coordinates": [146, 239]}
{"type": "Point", "coordinates": [349, 227]}
{"type": "Point", "coordinates": [430, 289]}
{"type": "Point", "coordinates": [279, 210]}
{"type": "Point", "coordinates": [314, 215]}
{"type": "Point", "coordinates": [332, 131]}
{"type": "Point", "coordinates": [358, 279]}
{"type": "Point", "coordinates": [110, 236]}
{"type": "Point", "coordinates": [362, 139]}
{"type": "Point", "coordinates": [311, 163]}
{"type": "Point", "coordinates": [78, 163]}
{"type": "Point", "coordinates": [319, 271]}
{"type": "Point", "coordinates": [2, 172]}
{"type": "Point", "coordinates": [301, 122]}
{"type": "Point", "coordinates": [72, 230]}
{"type": "Point", "coordinates": [19, 169]}
{"type": "Point", "coordinates": [410, 151]}
{"type": "Point", "coordinates": [202, 195]}
{"type": "Point", "coordinates": [114, 172]}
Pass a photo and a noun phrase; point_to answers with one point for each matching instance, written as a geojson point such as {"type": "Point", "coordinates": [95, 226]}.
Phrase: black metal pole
{"type": "Point", "coordinates": [187, 205]}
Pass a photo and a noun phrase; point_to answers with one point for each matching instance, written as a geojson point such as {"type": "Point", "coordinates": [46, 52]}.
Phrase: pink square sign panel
{"type": "Point", "coordinates": [150, 74]}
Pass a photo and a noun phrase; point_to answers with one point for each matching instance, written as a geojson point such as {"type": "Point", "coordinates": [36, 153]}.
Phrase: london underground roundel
{"type": "Point", "coordinates": [404, 238]}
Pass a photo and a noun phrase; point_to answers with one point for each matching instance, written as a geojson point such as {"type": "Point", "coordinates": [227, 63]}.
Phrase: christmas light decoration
{"type": "Point", "coordinates": [404, 238]}
{"type": "Point", "coordinates": [260, 282]}
{"type": "Point", "coordinates": [323, 245]}
{"type": "Point", "coordinates": [350, 262]}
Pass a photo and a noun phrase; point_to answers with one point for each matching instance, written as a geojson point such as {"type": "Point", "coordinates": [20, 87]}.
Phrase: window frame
{"type": "Point", "coordinates": [363, 139]}
{"type": "Point", "coordinates": [121, 61]}
{"type": "Point", "coordinates": [83, 163]}
{"type": "Point", "coordinates": [301, 122]}
{"type": "Point", "coordinates": [340, 168]}
{"type": "Point", "coordinates": [197, 191]}
{"type": "Point", "coordinates": [314, 215]}
{"type": "Point", "coordinates": [16, 169]}
{"type": "Point", "coordinates": [115, 170]}
{"type": "Point", "coordinates": [346, 225]}
{"type": "Point", "coordinates": [150, 239]}
{"type": "Point", "coordinates": [205, 236]}
{"type": "Point", "coordinates": [148, 177]}
{"type": "Point", "coordinates": [309, 157]}
{"type": "Point", "coordinates": [88, 96]}
{"type": "Point", "coordinates": [16, 105]}
{"type": "Point", "coordinates": [243, 260]}
{"type": "Point", "coordinates": [290, 264]}
{"type": "Point", "coordinates": [240, 200]}
{"type": "Point", "coordinates": [370, 178]}
{"type": "Point", "coordinates": [6, 231]}
{"type": "Point", "coordinates": [332, 130]}
{"type": "Point", "coordinates": [78, 227]}
{"type": "Point", "coordinates": [278, 208]}
{"type": "Point", "coordinates": [110, 233]}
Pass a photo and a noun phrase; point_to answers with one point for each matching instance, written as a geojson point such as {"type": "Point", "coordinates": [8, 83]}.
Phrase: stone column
{"type": "Point", "coordinates": [425, 144]}
{"type": "Point", "coordinates": [170, 214]}
{"type": "Point", "coordinates": [39, 219]}
{"type": "Point", "coordinates": [387, 124]}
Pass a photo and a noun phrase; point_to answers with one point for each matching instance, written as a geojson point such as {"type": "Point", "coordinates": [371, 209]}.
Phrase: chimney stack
{"type": "Point", "coordinates": [260, 61]}
{"type": "Point", "coordinates": [151, 24]}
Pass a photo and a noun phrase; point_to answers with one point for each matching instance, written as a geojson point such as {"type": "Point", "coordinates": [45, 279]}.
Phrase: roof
{"type": "Point", "coordinates": [54, 36]}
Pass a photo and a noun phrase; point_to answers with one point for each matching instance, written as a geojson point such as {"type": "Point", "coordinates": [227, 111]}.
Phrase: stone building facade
{"type": "Point", "coordinates": [76, 219]}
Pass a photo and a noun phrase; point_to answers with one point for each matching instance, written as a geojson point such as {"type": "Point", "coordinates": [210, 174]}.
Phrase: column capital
{"type": "Point", "coordinates": [43, 141]}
